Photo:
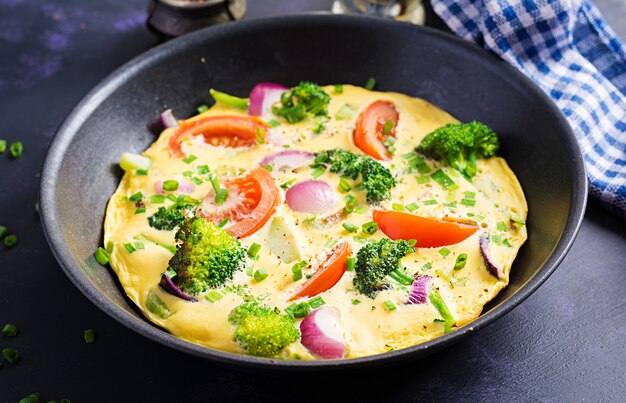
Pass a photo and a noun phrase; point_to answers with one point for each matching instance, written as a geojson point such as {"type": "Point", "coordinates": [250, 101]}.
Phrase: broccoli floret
{"type": "Point", "coordinates": [206, 256]}
{"type": "Point", "coordinates": [375, 261]}
{"type": "Point", "coordinates": [298, 101]}
{"type": "Point", "coordinates": [377, 180]}
{"type": "Point", "coordinates": [261, 330]}
{"type": "Point", "coordinates": [460, 145]}
{"type": "Point", "coordinates": [166, 219]}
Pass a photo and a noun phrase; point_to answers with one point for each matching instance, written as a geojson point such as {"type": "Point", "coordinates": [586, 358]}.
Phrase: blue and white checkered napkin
{"type": "Point", "coordinates": [568, 49]}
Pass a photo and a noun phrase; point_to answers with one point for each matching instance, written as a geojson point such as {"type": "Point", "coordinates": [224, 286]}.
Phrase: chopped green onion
{"type": "Point", "coordinates": [344, 186]}
{"type": "Point", "coordinates": [214, 296]}
{"type": "Point", "coordinates": [429, 202]}
{"type": "Point", "coordinates": [156, 306]}
{"type": "Point", "coordinates": [197, 180]}
{"type": "Point", "coordinates": [11, 355]}
{"type": "Point", "coordinates": [338, 89]}
{"type": "Point", "coordinates": [16, 149]}
{"type": "Point", "coordinates": [9, 330]}
{"type": "Point", "coordinates": [260, 275]}
{"type": "Point", "coordinates": [427, 266]}
{"type": "Point", "coordinates": [3, 231]}
{"type": "Point", "coordinates": [370, 84]}
{"type": "Point", "coordinates": [273, 123]}
{"type": "Point", "coordinates": [300, 310]}
{"type": "Point", "coordinates": [389, 305]}
{"type": "Point", "coordinates": [360, 209]}
{"type": "Point", "coordinates": [229, 100]}
{"type": "Point", "coordinates": [444, 251]}
{"type": "Point", "coordinates": [253, 250]}
{"type": "Point", "coordinates": [157, 199]}
{"type": "Point", "coordinates": [451, 205]}
{"type": "Point", "coordinates": [370, 227]}
{"type": "Point", "coordinates": [287, 185]}
{"type": "Point", "coordinates": [317, 172]}
{"type": "Point", "coordinates": [356, 301]}
{"type": "Point", "coordinates": [10, 241]}
{"type": "Point", "coordinates": [130, 247]}
{"type": "Point", "coordinates": [268, 167]}
{"type": "Point", "coordinates": [139, 245]}
{"type": "Point", "coordinates": [89, 336]}
{"type": "Point", "coordinates": [223, 223]}
{"type": "Point", "coordinates": [316, 302]}
{"type": "Point", "coordinates": [346, 112]}
{"type": "Point", "coordinates": [260, 135]}
{"type": "Point", "coordinates": [250, 271]}
{"type": "Point", "coordinates": [140, 210]}
{"type": "Point", "coordinates": [505, 242]}
{"type": "Point", "coordinates": [412, 207]}
{"type": "Point", "coordinates": [350, 264]}
{"type": "Point", "coordinates": [3, 146]}
{"type": "Point", "coordinates": [412, 242]}
{"type": "Point", "coordinates": [468, 202]}
{"type": "Point", "coordinates": [330, 243]}
{"type": "Point", "coordinates": [203, 169]}
{"type": "Point", "coordinates": [134, 162]}
{"type": "Point", "coordinates": [187, 174]}
{"type": "Point", "coordinates": [460, 261]}
{"type": "Point", "coordinates": [171, 273]}
{"type": "Point", "coordinates": [444, 180]}
{"type": "Point", "coordinates": [172, 197]}
{"type": "Point", "coordinates": [438, 302]}
{"type": "Point", "coordinates": [469, 195]}
{"type": "Point", "coordinates": [320, 122]}
{"type": "Point", "coordinates": [170, 185]}
{"type": "Point", "coordinates": [497, 239]}
{"type": "Point", "coordinates": [350, 227]}
{"type": "Point", "coordinates": [388, 127]}
{"type": "Point", "coordinates": [202, 108]}
{"type": "Point", "coordinates": [141, 172]}
{"type": "Point", "coordinates": [296, 269]}
{"type": "Point", "coordinates": [102, 256]}
{"type": "Point", "coordinates": [221, 196]}
{"type": "Point", "coordinates": [110, 247]}
{"type": "Point", "coordinates": [397, 206]}
{"type": "Point", "coordinates": [422, 179]}
{"type": "Point", "coordinates": [350, 204]}
{"type": "Point", "coordinates": [501, 226]}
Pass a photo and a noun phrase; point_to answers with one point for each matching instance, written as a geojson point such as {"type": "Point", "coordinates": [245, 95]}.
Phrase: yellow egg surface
{"type": "Point", "coordinates": [492, 201]}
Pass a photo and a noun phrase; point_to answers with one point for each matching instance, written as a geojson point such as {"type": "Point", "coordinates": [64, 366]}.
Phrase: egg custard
{"type": "Point", "coordinates": [336, 222]}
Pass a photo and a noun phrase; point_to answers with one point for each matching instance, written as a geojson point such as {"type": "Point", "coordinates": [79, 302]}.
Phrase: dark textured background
{"type": "Point", "coordinates": [565, 343]}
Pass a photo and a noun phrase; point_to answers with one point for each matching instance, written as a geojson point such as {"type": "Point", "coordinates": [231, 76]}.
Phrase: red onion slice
{"type": "Point", "coordinates": [288, 160]}
{"type": "Point", "coordinates": [183, 187]}
{"type": "Point", "coordinates": [321, 333]}
{"type": "Point", "coordinates": [168, 285]}
{"type": "Point", "coordinates": [168, 119]}
{"type": "Point", "coordinates": [489, 264]}
{"type": "Point", "coordinates": [262, 96]}
{"type": "Point", "coordinates": [419, 290]}
{"type": "Point", "coordinates": [311, 197]}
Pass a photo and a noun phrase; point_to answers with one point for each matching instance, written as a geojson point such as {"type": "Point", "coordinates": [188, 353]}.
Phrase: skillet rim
{"type": "Point", "coordinates": [81, 112]}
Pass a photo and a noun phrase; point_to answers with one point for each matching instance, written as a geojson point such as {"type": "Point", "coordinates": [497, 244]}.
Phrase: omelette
{"type": "Point", "coordinates": [312, 225]}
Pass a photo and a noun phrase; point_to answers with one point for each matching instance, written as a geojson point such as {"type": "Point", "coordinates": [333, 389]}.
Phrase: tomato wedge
{"type": "Point", "coordinates": [226, 130]}
{"type": "Point", "coordinates": [327, 274]}
{"type": "Point", "coordinates": [369, 133]}
{"type": "Point", "coordinates": [428, 232]}
{"type": "Point", "coordinates": [251, 201]}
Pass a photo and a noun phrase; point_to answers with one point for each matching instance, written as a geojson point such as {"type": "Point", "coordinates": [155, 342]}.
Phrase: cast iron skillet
{"type": "Point", "coordinates": [81, 172]}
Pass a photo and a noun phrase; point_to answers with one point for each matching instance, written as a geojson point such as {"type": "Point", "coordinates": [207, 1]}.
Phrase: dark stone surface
{"type": "Point", "coordinates": [565, 343]}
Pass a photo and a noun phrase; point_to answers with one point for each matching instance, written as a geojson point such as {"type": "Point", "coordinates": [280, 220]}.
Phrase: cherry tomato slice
{"type": "Point", "coordinates": [225, 130]}
{"type": "Point", "coordinates": [428, 232]}
{"type": "Point", "coordinates": [327, 274]}
{"type": "Point", "coordinates": [252, 200]}
{"type": "Point", "coordinates": [369, 133]}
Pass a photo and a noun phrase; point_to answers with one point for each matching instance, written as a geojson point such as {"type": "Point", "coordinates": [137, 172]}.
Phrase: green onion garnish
{"type": "Point", "coordinates": [172, 197]}
{"type": "Point", "coordinates": [287, 185]}
{"type": "Point", "coordinates": [89, 336]}
{"type": "Point", "coordinates": [388, 127]}
{"type": "Point", "coordinates": [260, 135]}
{"type": "Point", "coordinates": [296, 269]}
{"type": "Point", "coordinates": [203, 169]}
{"type": "Point", "coordinates": [197, 180]}
{"type": "Point", "coordinates": [469, 195]}
{"type": "Point", "coordinates": [370, 227]}
{"type": "Point", "coordinates": [134, 162]}
{"type": "Point", "coordinates": [214, 296]}
{"type": "Point", "coordinates": [273, 123]}
{"type": "Point", "coordinates": [157, 199]}
{"type": "Point", "coordinates": [11, 355]}
{"type": "Point", "coordinates": [229, 100]}
{"type": "Point", "coordinates": [330, 243]}
{"type": "Point", "coordinates": [346, 112]}
{"type": "Point", "coordinates": [141, 172]}
{"type": "Point", "coordinates": [350, 264]}
{"type": "Point", "coordinates": [202, 108]}
{"type": "Point", "coordinates": [411, 207]}
{"type": "Point", "coordinates": [427, 266]}
{"type": "Point", "coordinates": [501, 226]}
{"type": "Point", "coordinates": [444, 180]}
{"type": "Point", "coordinates": [102, 256]}
{"type": "Point", "coordinates": [253, 250]}
{"type": "Point", "coordinates": [140, 210]}
{"type": "Point", "coordinates": [350, 227]}
{"type": "Point", "coordinates": [444, 251]}
{"type": "Point", "coordinates": [268, 167]}
{"type": "Point", "coordinates": [438, 302]}
{"type": "Point", "coordinates": [389, 305]}
{"type": "Point", "coordinates": [360, 209]}
{"type": "Point", "coordinates": [3, 231]}
{"type": "Point", "coordinates": [170, 185]}
{"type": "Point", "coordinates": [156, 306]}
{"type": "Point", "coordinates": [221, 196]}
{"type": "Point", "coordinates": [338, 89]}
{"type": "Point", "coordinates": [422, 179]}
{"type": "Point", "coordinates": [344, 186]}
{"type": "Point", "coordinates": [300, 310]}
{"type": "Point", "coordinates": [189, 159]}
{"type": "Point", "coordinates": [9, 330]}
{"type": "Point", "coordinates": [171, 273]}
{"type": "Point", "coordinates": [468, 202]}
{"type": "Point", "coordinates": [370, 84]}
{"type": "Point", "coordinates": [317, 172]}
{"type": "Point", "coordinates": [350, 204]}
{"type": "Point", "coordinates": [223, 223]}
{"type": "Point", "coordinates": [139, 245]}
{"type": "Point", "coordinates": [110, 246]}
{"type": "Point", "coordinates": [10, 241]}
{"type": "Point", "coordinates": [260, 275]}
{"type": "Point", "coordinates": [397, 206]}
{"type": "Point", "coordinates": [460, 261]}
{"type": "Point", "coordinates": [429, 202]}
{"type": "Point", "coordinates": [3, 146]}
{"type": "Point", "coordinates": [16, 149]}
{"type": "Point", "coordinates": [316, 302]}
{"type": "Point", "coordinates": [250, 271]}
{"type": "Point", "coordinates": [130, 247]}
